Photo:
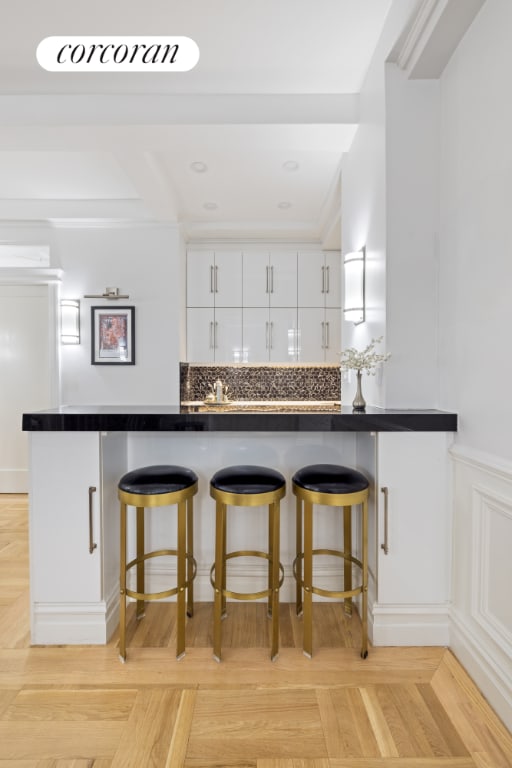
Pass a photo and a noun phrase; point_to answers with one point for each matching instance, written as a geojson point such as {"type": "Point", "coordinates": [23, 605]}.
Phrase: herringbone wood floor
{"type": "Point", "coordinates": [79, 707]}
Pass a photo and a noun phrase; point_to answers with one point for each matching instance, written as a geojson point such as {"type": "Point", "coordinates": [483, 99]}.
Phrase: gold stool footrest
{"type": "Point", "coordinates": [165, 592]}
{"type": "Point", "coordinates": [247, 595]}
{"type": "Point", "coordinates": [328, 592]}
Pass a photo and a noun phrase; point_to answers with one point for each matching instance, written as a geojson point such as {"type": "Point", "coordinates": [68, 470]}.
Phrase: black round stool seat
{"type": "Point", "coordinates": [247, 479]}
{"type": "Point", "coordinates": [330, 478]}
{"type": "Point", "coordinates": [157, 479]}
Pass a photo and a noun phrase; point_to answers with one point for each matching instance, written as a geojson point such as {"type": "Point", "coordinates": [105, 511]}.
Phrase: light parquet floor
{"type": "Point", "coordinates": [79, 707]}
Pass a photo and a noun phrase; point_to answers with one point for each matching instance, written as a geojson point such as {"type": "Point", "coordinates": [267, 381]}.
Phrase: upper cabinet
{"type": "Point", "coordinates": [260, 305]}
{"type": "Point", "coordinates": [270, 279]}
{"type": "Point", "coordinates": [319, 279]}
{"type": "Point", "coordinates": [214, 279]}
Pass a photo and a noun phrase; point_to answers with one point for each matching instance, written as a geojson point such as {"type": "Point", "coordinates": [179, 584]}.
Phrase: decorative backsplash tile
{"type": "Point", "coordinates": [261, 381]}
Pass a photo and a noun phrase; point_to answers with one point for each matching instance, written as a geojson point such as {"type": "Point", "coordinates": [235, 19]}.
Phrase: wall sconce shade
{"type": "Point", "coordinates": [354, 278]}
{"type": "Point", "coordinates": [70, 321]}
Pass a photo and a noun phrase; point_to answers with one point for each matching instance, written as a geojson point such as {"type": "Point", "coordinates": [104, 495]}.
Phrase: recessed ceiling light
{"type": "Point", "coordinates": [284, 204]}
{"type": "Point", "coordinates": [291, 165]}
{"type": "Point", "coordinates": [210, 206]}
{"type": "Point", "coordinates": [198, 166]}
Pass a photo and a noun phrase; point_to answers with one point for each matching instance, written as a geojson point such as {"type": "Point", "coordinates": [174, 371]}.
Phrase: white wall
{"type": "Point", "coordinates": [475, 347]}
{"type": "Point", "coordinates": [476, 237]}
{"type": "Point", "coordinates": [390, 204]}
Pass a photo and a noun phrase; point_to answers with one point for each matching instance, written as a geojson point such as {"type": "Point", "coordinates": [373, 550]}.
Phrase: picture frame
{"type": "Point", "coordinates": [112, 336]}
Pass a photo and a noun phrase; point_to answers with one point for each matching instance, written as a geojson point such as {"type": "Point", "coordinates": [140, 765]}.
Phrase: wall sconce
{"type": "Point", "coordinates": [354, 277]}
{"type": "Point", "coordinates": [70, 321]}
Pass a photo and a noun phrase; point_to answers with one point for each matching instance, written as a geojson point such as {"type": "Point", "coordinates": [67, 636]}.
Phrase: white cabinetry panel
{"type": "Point", "coordinates": [319, 335]}
{"type": "Point", "coordinates": [270, 278]}
{"type": "Point", "coordinates": [412, 466]}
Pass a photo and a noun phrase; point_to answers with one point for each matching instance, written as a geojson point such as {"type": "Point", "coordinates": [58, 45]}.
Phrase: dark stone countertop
{"type": "Point", "coordinates": [174, 418]}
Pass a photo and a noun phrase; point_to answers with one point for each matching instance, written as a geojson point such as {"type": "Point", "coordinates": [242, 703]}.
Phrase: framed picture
{"type": "Point", "coordinates": [113, 336]}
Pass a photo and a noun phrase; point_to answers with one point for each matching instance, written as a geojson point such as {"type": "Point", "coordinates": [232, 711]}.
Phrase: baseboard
{"type": "Point", "coordinates": [409, 625]}
{"type": "Point", "coordinates": [71, 624]}
{"type": "Point", "coordinates": [492, 678]}
{"type": "Point", "coordinates": [14, 481]}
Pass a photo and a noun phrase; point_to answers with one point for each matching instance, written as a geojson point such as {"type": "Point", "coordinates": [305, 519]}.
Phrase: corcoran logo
{"type": "Point", "coordinates": [117, 54]}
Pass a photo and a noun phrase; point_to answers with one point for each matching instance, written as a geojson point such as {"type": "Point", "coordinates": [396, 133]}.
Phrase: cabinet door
{"type": "Point", "coordinates": [332, 335]}
{"type": "Point", "coordinates": [283, 279]}
{"type": "Point", "coordinates": [282, 335]}
{"type": "Point", "coordinates": [311, 279]}
{"type": "Point", "coordinates": [200, 279]}
{"type": "Point", "coordinates": [200, 335]}
{"type": "Point", "coordinates": [256, 335]}
{"type": "Point", "coordinates": [256, 278]}
{"type": "Point", "coordinates": [332, 279]}
{"type": "Point", "coordinates": [412, 466]}
{"type": "Point", "coordinates": [228, 335]}
{"type": "Point", "coordinates": [311, 335]}
{"type": "Point", "coordinates": [64, 467]}
{"type": "Point", "coordinates": [227, 279]}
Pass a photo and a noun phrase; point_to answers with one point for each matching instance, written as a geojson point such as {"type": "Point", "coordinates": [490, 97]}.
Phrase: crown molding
{"type": "Point", "coordinates": [434, 33]}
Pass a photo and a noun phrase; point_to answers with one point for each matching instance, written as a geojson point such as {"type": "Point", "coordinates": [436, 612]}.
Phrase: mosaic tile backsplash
{"type": "Point", "coordinates": [259, 381]}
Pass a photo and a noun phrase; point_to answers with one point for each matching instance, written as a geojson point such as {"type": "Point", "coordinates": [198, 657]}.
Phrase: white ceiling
{"type": "Point", "coordinates": [277, 81]}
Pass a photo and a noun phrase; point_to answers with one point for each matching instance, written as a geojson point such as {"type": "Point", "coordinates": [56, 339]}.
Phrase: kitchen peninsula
{"type": "Point", "coordinates": [78, 455]}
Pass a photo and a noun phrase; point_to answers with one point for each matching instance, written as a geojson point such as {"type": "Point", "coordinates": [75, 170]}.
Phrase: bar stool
{"type": "Point", "coordinates": [158, 486]}
{"type": "Point", "coordinates": [246, 486]}
{"type": "Point", "coordinates": [334, 486]}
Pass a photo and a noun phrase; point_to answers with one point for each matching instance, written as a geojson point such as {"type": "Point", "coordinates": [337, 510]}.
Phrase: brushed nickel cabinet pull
{"type": "Point", "coordinates": [271, 335]}
{"type": "Point", "coordinates": [211, 335]}
{"type": "Point", "coordinates": [385, 544]}
{"type": "Point", "coordinates": [267, 335]}
{"type": "Point", "coordinates": [327, 339]}
{"type": "Point", "coordinates": [271, 279]}
{"type": "Point", "coordinates": [215, 339]}
{"type": "Point", "coordinates": [327, 287]}
{"type": "Point", "coordinates": [323, 279]}
{"type": "Point", "coordinates": [216, 279]}
{"type": "Point", "coordinates": [212, 286]}
{"type": "Point", "coordinates": [92, 545]}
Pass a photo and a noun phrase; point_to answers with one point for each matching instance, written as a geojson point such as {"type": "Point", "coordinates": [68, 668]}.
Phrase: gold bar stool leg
{"type": "Point", "coordinates": [220, 565]}
{"type": "Point", "coordinates": [157, 486]}
{"type": "Point", "coordinates": [274, 585]}
{"type": "Point", "coordinates": [298, 559]}
{"type": "Point", "coordinates": [334, 486]}
{"type": "Point", "coordinates": [190, 564]}
{"type": "Point", "coordinates": [347, 562]}
{"type": "Point", "coordinates": [122, 587]}
{"type": "Point", "coordinates": [364, 595]}
{"type": "Point", "coordinates": [141, 610]}
{"type": "Point", "coordinates": [181, 582]}
{"type": "Point", "coordinates": [308, 579]}
{"type": "Point", "coordinates": [246, 486]}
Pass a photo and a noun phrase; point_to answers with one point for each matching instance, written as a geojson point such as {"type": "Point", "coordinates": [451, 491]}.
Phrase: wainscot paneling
{"type": "Point", "coordinates": [481, 617]}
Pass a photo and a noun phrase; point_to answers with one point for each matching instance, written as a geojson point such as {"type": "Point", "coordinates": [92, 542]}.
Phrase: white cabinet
{"type": "Point", "coordinates": [319, 331]}
{"type": "Point", "coordinates": [319, 279]}
{"type": "Point", "coordinates": [409, 536]}
{"type": "Point", "coordinates": [214, 306]}
{"type": "Point", "coordinates": [270, 279]}
{"type": "Point", "coordinates": [270, 334]}
{"type": "Point", "coordinates": [74, 535]}
{"type": "Point", "coordinates": [412, 469]}
{"type": "Point", "coordinates": [214, 335]}
{"type": "Point", "coordinates": [214, 279]}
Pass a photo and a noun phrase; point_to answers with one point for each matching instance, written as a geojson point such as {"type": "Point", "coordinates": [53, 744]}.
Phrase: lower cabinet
{"type": "Point", "coordinates": [74, 532]}
{"type": "Point", "coordinates": [410, 537]}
